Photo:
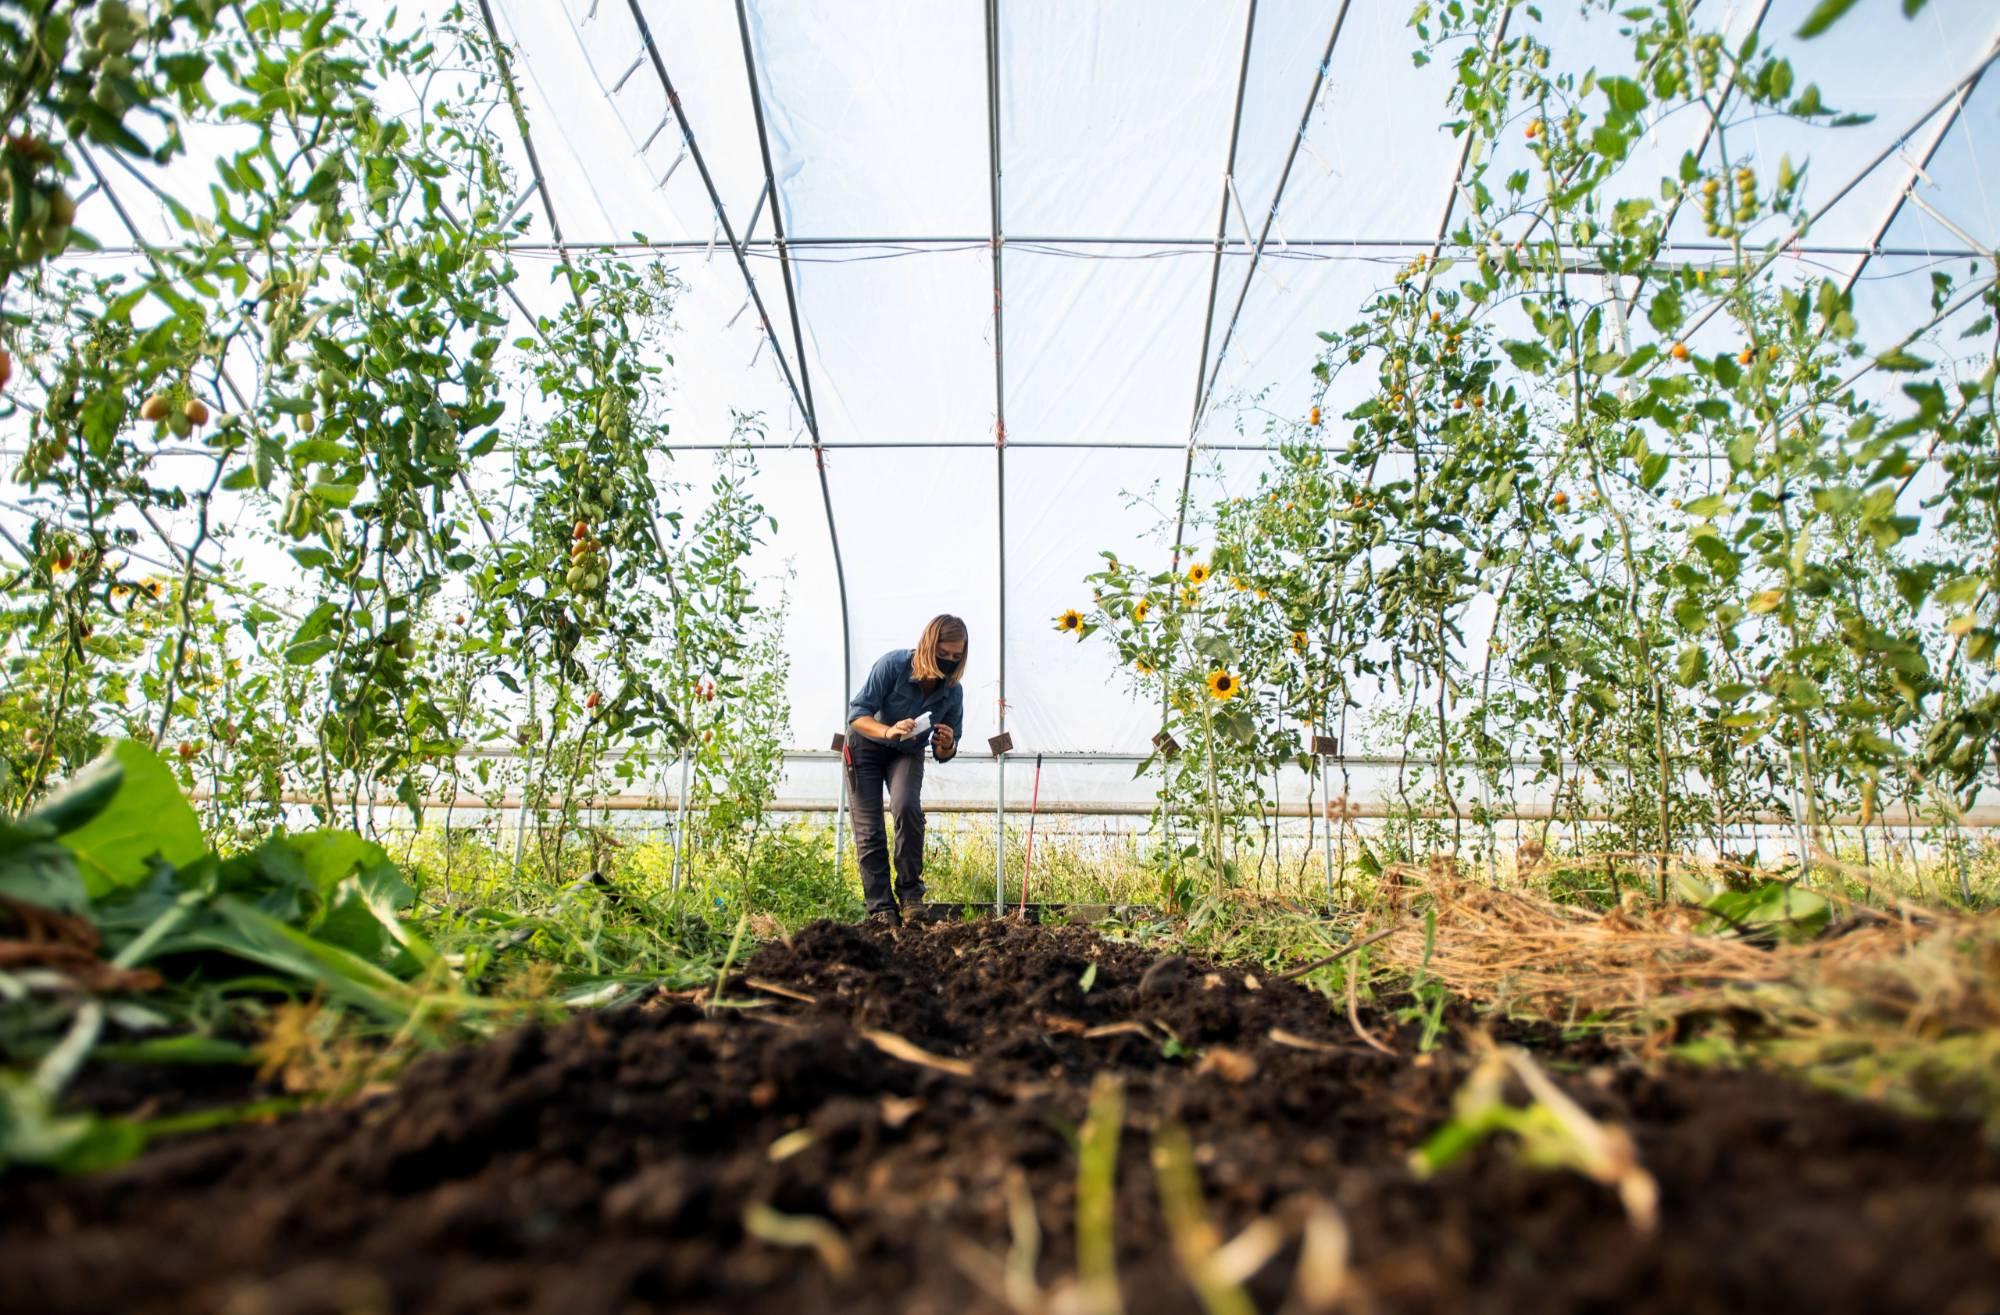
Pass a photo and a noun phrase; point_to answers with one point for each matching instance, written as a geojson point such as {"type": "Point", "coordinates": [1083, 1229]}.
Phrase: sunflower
{"type": "Point", "coordinates": [1197, 575]}
{"type": "Point", "coordinates": [1263, 595]}
{"type": "Point", "coordinates": [1298, 641]}
{"type": "Point", "coordinates": [1140, 608]}
{"type": "Point", "coordinates": [1190, 597]}
{"type": "Point", "coordinates": [1239, 584]}
{"type": "Point", "coordinates": [1222, 686]}
{"type": "Point", "coordinates": [1071, 620]}
{"type": "Point", "coordinates": [1143, 667]}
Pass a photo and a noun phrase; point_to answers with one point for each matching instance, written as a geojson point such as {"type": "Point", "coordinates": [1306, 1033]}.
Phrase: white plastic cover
{"type": "Point", "coordinates": [1115, 126]}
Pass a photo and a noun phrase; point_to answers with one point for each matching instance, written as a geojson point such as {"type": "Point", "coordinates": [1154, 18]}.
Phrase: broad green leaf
{"type": "Point", "coordinates": [330, 856]}
{"type": "Point", "coordinates": [1901, 360]}
{"type": "Point", "coordinates": [1624, 94]}
{"type": "Point", "coordinates": [1824, 15]}
{"type": "Point", "coordinates": [304, 655]}
{"type": "Point", "coordinates": [146, 818]}
{"type": "Point", "coordinates": [32, 1132]}
{"type": "Point", "coordinates": [1690, 666]}
{"type": "Point", "coordinates": [263, 939]}
{"type": "Point", "coordinates": [1664, 313]}
{"type": "Point", "coordinates": [43, 872]}
{"type": "Point", "coordinates": [83, 797]}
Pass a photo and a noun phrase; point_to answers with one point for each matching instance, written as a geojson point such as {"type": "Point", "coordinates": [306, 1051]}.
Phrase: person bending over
{"type": "Point", "coordinates": [911, 697]}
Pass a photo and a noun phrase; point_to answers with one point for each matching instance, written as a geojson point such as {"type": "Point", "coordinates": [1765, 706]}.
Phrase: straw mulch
{"type": "Point", "coordinates": [1525, 951]}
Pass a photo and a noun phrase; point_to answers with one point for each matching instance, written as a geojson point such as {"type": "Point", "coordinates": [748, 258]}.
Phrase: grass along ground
{"type": "Point", "coordinates": [1878, 979]}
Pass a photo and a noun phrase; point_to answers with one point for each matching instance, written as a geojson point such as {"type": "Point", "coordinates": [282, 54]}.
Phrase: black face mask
{"type": "Point", "coordinates": [947, 665]}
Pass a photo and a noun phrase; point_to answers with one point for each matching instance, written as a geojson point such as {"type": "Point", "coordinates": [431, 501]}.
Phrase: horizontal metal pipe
{"type": "Point", "coordinates": [1980, 818]}
{"type": "Point", "coordinates": [770, 246]}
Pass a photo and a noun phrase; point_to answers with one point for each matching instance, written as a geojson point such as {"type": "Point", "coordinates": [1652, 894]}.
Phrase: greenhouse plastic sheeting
{"type": "Point", "coordinates": [1115, 125]}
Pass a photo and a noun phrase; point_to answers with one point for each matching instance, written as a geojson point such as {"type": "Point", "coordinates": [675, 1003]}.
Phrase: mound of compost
{"type": "Point", "coordinates": [847, 1144]}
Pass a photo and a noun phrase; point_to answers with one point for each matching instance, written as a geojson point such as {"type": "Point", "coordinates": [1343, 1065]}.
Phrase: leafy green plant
{"type": "Point", "coordinates": [1740, 563]}
{"type": "Point", "coordinates": [115, 862]}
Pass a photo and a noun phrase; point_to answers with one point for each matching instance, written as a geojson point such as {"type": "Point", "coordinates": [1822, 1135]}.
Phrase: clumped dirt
{"type": "Point", "coordinates": [607, 1165]}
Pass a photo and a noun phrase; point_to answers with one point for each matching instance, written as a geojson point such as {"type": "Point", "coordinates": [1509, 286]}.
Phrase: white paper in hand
{"type": "Point", "coordinates": [923, 724]}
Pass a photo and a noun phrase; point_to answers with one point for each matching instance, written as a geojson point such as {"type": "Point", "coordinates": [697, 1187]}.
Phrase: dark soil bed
{"type": "Point", "coordinates": [607, 1165]}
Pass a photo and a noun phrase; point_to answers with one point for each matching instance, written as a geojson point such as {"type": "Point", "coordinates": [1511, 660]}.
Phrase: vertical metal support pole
{"type": "Point", "coordinates": [1326, 788]}
{"type": "Point", "coordinates": [839, 822]}
{"type": "Point", "coordinates": [680, 826]}
{"type": "Point", "coordinates": [1492, 832]}
{"type": "Point", "coordinates": [1278, 825]}
{"type": "Point", "coordinates": [527, 775]}
{"type": "Point", "coordinates": [999, 438]}
{"type": "Point", "coordinates": [1000, 834]}
{"type": "Point", "coordinates": [521, 825]}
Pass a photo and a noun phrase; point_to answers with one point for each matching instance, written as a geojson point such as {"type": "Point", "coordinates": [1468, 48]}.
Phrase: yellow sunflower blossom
{"type": "Point", "coordinates": [1197, 575]}
{"type": "Point", "coordinates": [1071, 621]}
{"type": "Point", "coordinates": [1263, 595]}
{"type": "Point", "coordinates": [1239, 584]}
{"type": "Point", "coordinates": [1141, 608]}
{"type": "Point", "coordinates": [1143, 667]}
{"type": "Point", "coordinates": [1222, 686]}
{"type": "Point", "coordinates": [1190, 597]}
{"type": "Point", "coordinates": [1298, 641]}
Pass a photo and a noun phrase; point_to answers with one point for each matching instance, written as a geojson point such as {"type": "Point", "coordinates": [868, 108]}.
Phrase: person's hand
{"type": "Point", "coordinates": [902, 729]}
{"type": "Point", "coordinates": [943, 741]}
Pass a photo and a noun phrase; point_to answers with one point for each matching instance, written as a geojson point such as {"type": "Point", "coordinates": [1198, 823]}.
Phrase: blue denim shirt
{"type": "Point", "coordinates": [889, 695]}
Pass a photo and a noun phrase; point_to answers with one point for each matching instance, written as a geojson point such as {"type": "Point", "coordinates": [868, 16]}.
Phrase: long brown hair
{"type": "Point", "coordinates": [924, 661]}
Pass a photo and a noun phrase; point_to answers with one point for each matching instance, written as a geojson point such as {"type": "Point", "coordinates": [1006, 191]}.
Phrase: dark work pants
{"type": "Point", "coordinates": [873, 769]}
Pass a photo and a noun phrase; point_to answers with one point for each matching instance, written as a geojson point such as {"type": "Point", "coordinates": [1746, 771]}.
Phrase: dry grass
{"type": "Point", "coordinates": [1903, 1007]}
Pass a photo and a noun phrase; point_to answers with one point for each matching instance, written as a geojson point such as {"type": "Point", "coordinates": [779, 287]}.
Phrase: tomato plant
{"type": "Point", "coordinates": [1664, 525]}
{"type": "Point", "coordinates": [486, 581]}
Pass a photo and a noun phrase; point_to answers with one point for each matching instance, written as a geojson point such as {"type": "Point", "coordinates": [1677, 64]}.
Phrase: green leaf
{"type": "Point", "coordinates": [1665, 313]}
{"type": "Point", "coordinates": [147, 817]}
{"type": "Point", "coordinates": [32, 1132]}
{"type": "Point", "coordinates": [304, 655]}
{"type": "Point", "coordinates": [1778, 903]}
{"type": "Point", "coordinates": [44, 873]}
{"type": "Point", "coordinates": [1625, 95]}
{"type": "Point", "coordinates": [317, 623]}
{"type": "Point", "coordinates": [1824, 15]}
{"type": "Point", "coordinates": [186, 1049]}
{"type": "Point", "coordinates": [260, 938]}
{"type": "Point", "coordinates": [1690, 666]}
{"type": "Point", "coordinates": [83, 797]}
{"type": "Point", "coordinates": [1899, 359]}
{"type": "Point", "coordinates": [329, 857]}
